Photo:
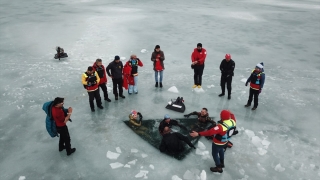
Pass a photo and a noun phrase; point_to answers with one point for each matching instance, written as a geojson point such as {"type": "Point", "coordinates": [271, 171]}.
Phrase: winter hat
{"type": "Point", "coordinates": [117, 57]}
{"type": "Point", "coordinates": [134, 112]}
{"type": "Point", "coordinates": [228, 56]}
{"type": "Point", "coordinates": [199, 45]}
{"type": "Point", "coordinates": [90, 68]}
{"type": "Point", "coordinates": [157, 46]}
{"type": "Point", "coordinates": [225, 115]}
{"type": "Point", "coordinates": [259, 66]}
{"type": "Point", "coordinates": [166, 116]}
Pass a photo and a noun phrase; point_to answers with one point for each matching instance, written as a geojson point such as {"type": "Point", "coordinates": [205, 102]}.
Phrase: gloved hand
{"type": "Point", "coordinates": [194, 147]}
{"type": "Point", "coordinates": [187, 115]}
{"type": "Point", "coordinates": [140, 116]}
{"type": "Point", "coordinates": [70, 120]}
{"type": "Point", "coordinates": [246, 83]}
{"type": "Point", "coordinates": [260, 91]}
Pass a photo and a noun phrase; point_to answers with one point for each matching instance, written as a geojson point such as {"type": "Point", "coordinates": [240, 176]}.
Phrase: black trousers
{"type": "Point", "coordinates": [253, 93]}
{"type": "Point", "coordinates": [94, 95]}
{"type": "Point", "coordinates": [223, 81]}
{"type": "Point", "coordinates": [117, 83]}
{"type": "Point", "coordinates": [64, 140]}
{"type": "Point", "coordinates": [198, 71]}
{"type": "Point", "coordinates": [104, 89]}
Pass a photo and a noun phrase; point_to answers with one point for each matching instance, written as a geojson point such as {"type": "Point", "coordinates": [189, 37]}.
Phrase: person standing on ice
{"type": "Point", "coordinates": [256, 79]}
{"type": "Point", "coordinates": [133, 63]}
{"type": "Point", "coordinates": [198, 58]}
{"type": "Point", "coordinates": [99, 68]}
{"type": "Point", "coordinates": [116, 68]}
{"type": "Point", "coordinates": [61, 120]}
{"type": "Point", "coordinates": [226, 67]}
{"type": "Point", "coordinates": [90, 81]}
{"type": "Point", "coordinates": [158, 57]}
{"type": "Point", "coordinates": [223, 132]}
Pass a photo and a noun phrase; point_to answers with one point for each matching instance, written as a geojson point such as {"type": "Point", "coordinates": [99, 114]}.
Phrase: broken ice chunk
{"type": "Point", "coordinates": [112, 155]}
{"type": "Point", "coordinates": [22, 178]}
{"type": "Point", "coordinates": [203, 175]}
{"type": "Point", "coordinates": [118, 149]}
{"type": "Point", "coordinates": [141, 174]}
{"type": "Point", "coordinates": [116, 165]}
{"type": "Point", "coordinates": [127, 166]}
{"type": "Point", "coordinates": [262, 151]}
{"type": "Point", "coordinates": [134, 150]}
{"type": "Point", "coordinates": [175, 177]}
{"type": "Point", "coordinates": [173, 89]}
{"type": "Point", "coordinates": [279, 168]}
{"type": "Point", "coordinates": [201, 145]}
{"type": "Point", "coordinates": [151, 166]}
{"type": "Point", "coordinates": [133, 162]}
{"type": "Point", "coordinates": [249, 133]}
{"type": "Point", "coordinates": [144, 155]}
{"type": "Point", "coordinates": [265, 143]}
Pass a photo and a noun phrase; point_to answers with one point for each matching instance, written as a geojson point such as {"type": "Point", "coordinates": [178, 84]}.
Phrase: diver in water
{"type": "Point", "coordinates": [172, 142]}
{"type": "Point", "coordinates": [203, 116]}
{"type": "Point", "coordinates": [168, 122]}
{"type": "Point", "coordinates": [134, 118]}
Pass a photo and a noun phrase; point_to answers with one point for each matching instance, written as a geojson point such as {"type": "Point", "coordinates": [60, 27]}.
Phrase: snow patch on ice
{"type": "Point", "coordinates": [22, 178]}
{"type": "Point", "coordinates": [265, 143]}
{"type": "Point", "coordinates": [203, 175]}
{"type": "Point", "coordinates": [262, 151]}
{"type": "Point", "coordinates": [144, 155]}
{"type": "Point", "coordinates": [142, 173]}
{"type": "Point", "coordinates": [112, 155]}
{"type": "Point", "coordinates": [118, 149]}
{"type": "Point", "coordinates": [199, 90]}
{"type": "Point", "coordinates": [175, 177]}
{"type": "Point", "coordinates": [173, 89]}
{"type": "Point", "coordinates": [201, 145]}
{"type": "Point", "coordinates": [116, 165]}
{"type": "Point", "coordinates": [151, 166]}
{"type": "Point", "coordinates": [144, 51]}
{"type": "Point", "coordinates": [249, 133]}
{"type": "Point", "coordinates": [133, 162]}
{"type": "Point", "coordinates": [134, 150]}
{"type": "Point", "coordinates": [279, 168]}
{"type": "Point", "coordinates": [127, 166]}
{"type": "Point", "coordinates": [244, 80]}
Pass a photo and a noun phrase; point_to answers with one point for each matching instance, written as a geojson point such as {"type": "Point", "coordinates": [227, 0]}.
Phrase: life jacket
{"type": "Point", "coordinates": [229, 126]}
{"type": "Point", "coordinates": [50, 124]}
{"type": "Point", "coordinates": [93, 81]}
{"type": "Point", "coordinates": [255, 80]}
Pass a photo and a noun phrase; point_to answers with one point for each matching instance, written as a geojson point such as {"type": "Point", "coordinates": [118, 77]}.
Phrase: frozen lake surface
{"type": "Point", "coordinates": [280, 140]}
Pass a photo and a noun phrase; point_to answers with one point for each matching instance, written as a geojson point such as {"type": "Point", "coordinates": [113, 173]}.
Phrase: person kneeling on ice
{"type": "Point", "coordinates": [168, 122]}
{"type": "Point", "coordinates": [134, 118]}
{"type": "Point", "coordinates": [172, 142]}
{"type": "Point", "coordinates": [60, 53]}
{"type": "Point", "coordinates": [223, 132]}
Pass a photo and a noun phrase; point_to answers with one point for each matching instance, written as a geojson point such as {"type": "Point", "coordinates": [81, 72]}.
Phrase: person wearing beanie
{"type": "Point", "coordinates": [157, 57]}
{"type": "Point", "coordinates": [99, 68]}
{"type": "Point", "coordinates": [222, 133]}
{"type": "Point", "coordinates": [135, 118]}
{"type": "Point", "coordinates": [256, 79]}
{"type": "Point", "coordinates": [226, 67]}
{"type": "Point", "coordinates": [61, 116]}
{"type": "Point", "coordinates": [198, 58]}
{"type": "Point", "coordinates": [131, 73]}
{"type": "Point", "coordinates": [90, 81]}
{"type": "Point", "coordinates": [114, 70]}
{"type": "Point", "coordinates": [168, 122]}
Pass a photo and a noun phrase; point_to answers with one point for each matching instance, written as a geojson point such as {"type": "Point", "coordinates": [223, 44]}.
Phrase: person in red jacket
{"type": "Point", "coordinates": [61, 120]}
{"type": "Point", "coordinates": [198, 57]}
{"type": "Point", "coordinates": [99, 68]}
{"type": "Point", "coordinates": [223, 132]}
{"type": "Point", "coordinates": [133, 63]}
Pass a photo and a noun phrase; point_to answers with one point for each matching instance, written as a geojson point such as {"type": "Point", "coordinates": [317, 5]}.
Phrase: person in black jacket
{"type": "Point", "coordinates": [116, 68]}
{"type": "Point", "coordinates": [226, 67]}
{"type": "Point", "coordinates": [172, 142]}
{"type": "Point", "coordinates": [168, 122]}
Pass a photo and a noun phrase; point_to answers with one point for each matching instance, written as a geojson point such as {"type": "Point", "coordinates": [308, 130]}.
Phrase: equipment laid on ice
{"type": "Point", "coordinates": [60, 53]}
{"type": "Point", "coordinates": [177, 105]}
{"type": "Point", "coordinates": [149, 132]}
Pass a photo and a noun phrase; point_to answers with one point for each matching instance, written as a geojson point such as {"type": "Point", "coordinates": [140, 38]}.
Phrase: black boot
{"type": "Point", "coordinates": [116, 97]}
{"type": "Point", "coordinates": [247, 105]}
{"type": "Point", "coordinates": [229, 96]}
{"type": "Point", "coordinates": [100, 107]}
{"type": "Point", "coordinates": [124, 96]}
{"type": "Point", "coordinates": [222, 163]}
{"type": "Point", "coordinates": [62, 148]}
{"type": "Point", "coordinates": [254, 108]}
{"type": "Point", "coordinates": [156, 84]}
{"type": "Point", "coordinates": [222, 94]}
{"type": "Point", "coordinates": [107, 99]}
{"type": "Point", "coordinates": [216, 169]}
{"type": "Point", "coordinates": [71, 151]}
{"type": "Point", "coordinates": [92, 110]}
{"type": "Point", "coordinates": [161, 85]}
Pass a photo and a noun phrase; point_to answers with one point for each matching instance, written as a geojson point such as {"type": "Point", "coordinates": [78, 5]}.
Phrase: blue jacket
{"type": "Point", "coordinates": [50, 123]}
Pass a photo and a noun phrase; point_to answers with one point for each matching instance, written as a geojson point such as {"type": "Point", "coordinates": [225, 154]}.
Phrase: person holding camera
{"type": "Point", "coordinates": [90, 81]}
{"type": "Point", "coordinates": [198, 57]}
{"type": "Point", "coordinates": [132, 64]}
{"type": "Point", "coordinates": [61, 118]}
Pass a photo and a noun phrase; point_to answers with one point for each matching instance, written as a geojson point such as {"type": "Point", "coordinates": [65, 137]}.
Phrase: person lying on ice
{"type": "Point", "coordinates": [134, 118]}
{"type": "Point", "coordinates": [223, 132]}
{"type": "Point", "coordinates": [167, 122]}
{"type": "Point", "coordinates": [172, 142]}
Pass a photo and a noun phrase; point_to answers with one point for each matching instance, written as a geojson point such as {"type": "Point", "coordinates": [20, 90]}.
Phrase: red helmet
{"type": "Point", "coordinates": [228, 56]}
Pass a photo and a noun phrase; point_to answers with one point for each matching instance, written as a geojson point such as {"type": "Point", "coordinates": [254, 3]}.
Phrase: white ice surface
{"type": "Point", "coordinates": [284, 34]}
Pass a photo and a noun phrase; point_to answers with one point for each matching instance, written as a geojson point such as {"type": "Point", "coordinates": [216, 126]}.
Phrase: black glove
{"type": "Point", "coordinates": [246, 83]}
{"type": "Point", "coordinates": [235, 132]}
{"type": "Point", "coordinates": [187, 115]}
{"type": "Point", "coordinates": [70, 120]}
{"type": "Point", "coordinates": [140, 116]}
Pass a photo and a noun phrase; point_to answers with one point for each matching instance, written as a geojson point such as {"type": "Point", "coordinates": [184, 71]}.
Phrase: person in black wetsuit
{"type": "Point", "coordinates": [226, 67]}
{"type": "Point", "coordinates": [168, 122]}
{"type": "Point", "coordinates": [172, 142]}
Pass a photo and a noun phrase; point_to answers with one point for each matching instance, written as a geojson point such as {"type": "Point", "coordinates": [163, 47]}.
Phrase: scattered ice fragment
{"type": "Point", "coordinates": [244, 80]}
{"type": "Point", "coordinates": [210, 86]}
{"type": "Point", "coordinates": [249, 133]}
{"type": "Point", "coordinates": [188, 175]}
{"type": "Point", "coordinates": [260, 132]}
{"type": "Point", "coordinates": [173, 89]}
{"type": "Point", "coordinates": [112, 155]}
{"type": "Point", "coordinates": [198, 90]}
{"type": "Point", "coordinates": [133, 162]}
{"type": "Point", "coordinates": [175, 177]}
{"type": "Point", "coordinates": [134, 150]}
{"type": "Point", "coordinates": [144, 51]}
{"type": "Point", "coordinates": [116, 165]}
{"type": "Point", "coordinates": [203, 175]}
{"type": "Point", "coordinates": [141, 174]}
{"type": "Point", "coordinates": [118, 149]}
{"type": "Point", "coordinates": [201, 152]}
{"type": "Point", "coordinates": [256, 141]}
{"type": "Point", "coordinates": [127, 166]}
{"type": "Point", "coordinates": [241, 171]}
{"type": "Point", "coordinates": [265, 143]}
{"type": "Point", "coordinates": [279, 168]}
{"type": "Point", "coordinates": [144, 155]}
{"type": "Point", "coordinates": [151, 166]}
{"type": "Point", "coordinates": [22, 178]}
{"type": "Point", "coordinates": [201, 145]}
{"type": "Point", "coordinates": [262, 151]}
